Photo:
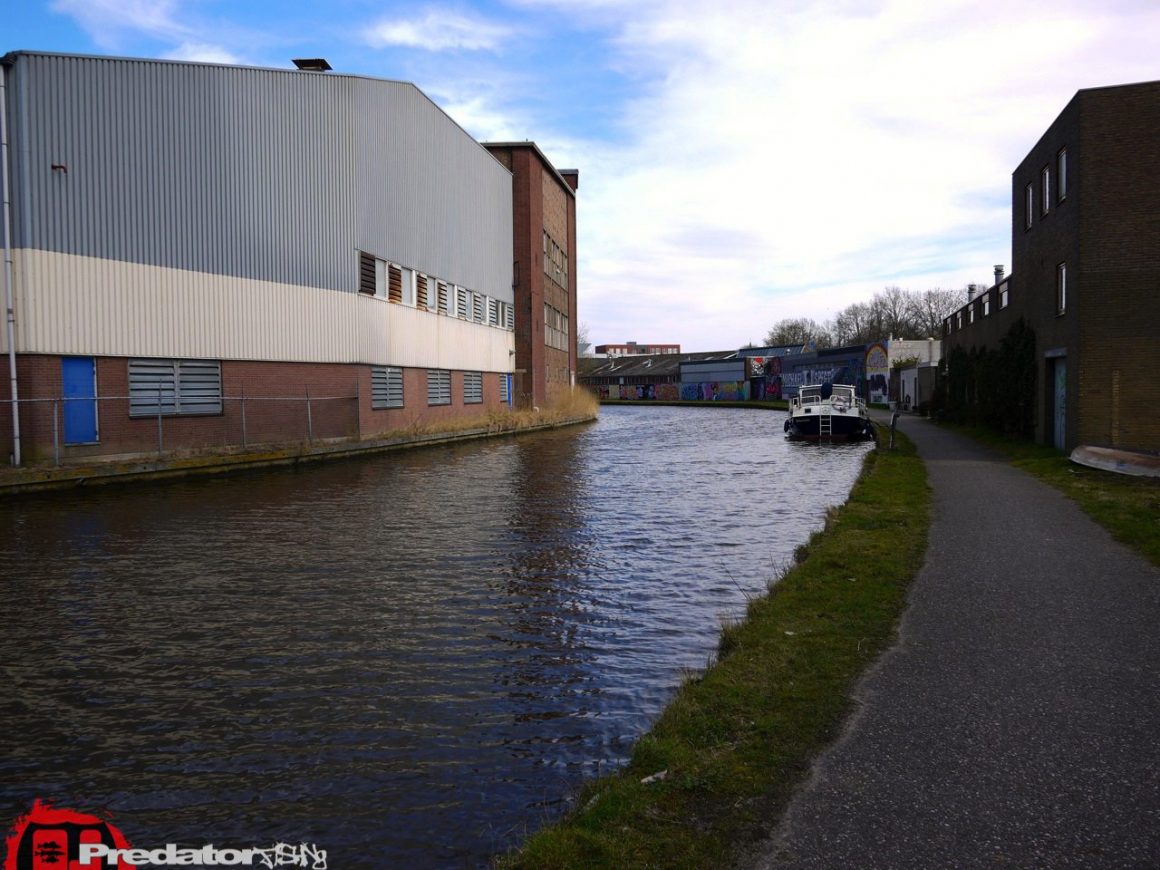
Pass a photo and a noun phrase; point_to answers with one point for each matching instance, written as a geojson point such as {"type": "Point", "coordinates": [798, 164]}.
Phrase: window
{"type": "Point", "coordinates": [1004, 298]}
{"type": "Point", "coordinates": [1045, 178]}
{"type": "Point", "coordinates": [971, 313]}
{"type": "Point", "coordinates": [462, 303]}
{"type": "Point", "coordinates": [555, 261]}
{"type": "Point", "coordinates": [959, 319]}
{"type": "Point", "coordinates": [478, 312]}
{"type": "Point", "coordinates": [987, 304]}
{"type": "Point", "coordinates": [1028, 206]}
{"type": "Point", "coordinates": [493, 311]}
{"type": "Point", "coordinates": [509, 316]}
{"type": "Point", "coordinates": [1061, 174]}
{"type": "Point", "coordinates": [386, 387]}
{"type": "Point", "coordinates": [438, 387]}
{"type": "Point", "coordinates": [472, 388]}
{"type": "Point", "coordinates": [408, 276]}
{"type": "Point", "coordinates": [1061, 288]}
{"type": "Point", "coordinates": [505, 389]}
{"type": "Point", "coordinates": [443, 297]}
{"type": "Point", "coordinates": [555, 328]}
{"type": "Point", "coordinates": [174, 387]}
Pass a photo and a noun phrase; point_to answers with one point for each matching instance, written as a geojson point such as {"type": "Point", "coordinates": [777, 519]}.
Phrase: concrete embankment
{"type": "Point", "coordinates": [119, 469]}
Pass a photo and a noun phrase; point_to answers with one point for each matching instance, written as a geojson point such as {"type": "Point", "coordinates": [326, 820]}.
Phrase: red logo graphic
{"type": "Point", "coordinates": [48, 838]}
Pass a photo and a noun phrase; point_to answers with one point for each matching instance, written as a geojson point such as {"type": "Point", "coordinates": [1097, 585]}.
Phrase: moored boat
{"type": "Point", "coordinates": [828, 412]}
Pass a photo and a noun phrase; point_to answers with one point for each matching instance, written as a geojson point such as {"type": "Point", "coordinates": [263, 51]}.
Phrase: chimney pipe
{"type": "Point", "coordinates": [998, 272]}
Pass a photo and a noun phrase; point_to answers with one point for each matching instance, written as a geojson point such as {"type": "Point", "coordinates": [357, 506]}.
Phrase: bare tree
{"type": "Point", "coordinates": [583, 344]}
{"type": "Point", "coordinates": [932, 307]}
{"type": "Point", "coordinates": [893, 306]}
{"type": "Point", "coordinates": [856, 324]}
{"type": "Point", "coordinates": [801, 330]}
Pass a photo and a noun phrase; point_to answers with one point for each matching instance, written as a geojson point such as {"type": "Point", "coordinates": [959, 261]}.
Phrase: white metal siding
{"type": "Point", "coordinates": [90, 307]}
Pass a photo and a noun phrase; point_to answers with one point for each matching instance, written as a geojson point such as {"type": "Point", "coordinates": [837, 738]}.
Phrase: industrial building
{"type": "Point", "coordinates": [204, 256]}
{"type": "Point", "coordinates": [544, 233]}
{"type": "Point", "coordinates": [1083, 296]}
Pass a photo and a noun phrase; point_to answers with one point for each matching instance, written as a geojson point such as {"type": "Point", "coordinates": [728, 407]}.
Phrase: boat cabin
{"type": "Point", "coordinates": [816, 394]}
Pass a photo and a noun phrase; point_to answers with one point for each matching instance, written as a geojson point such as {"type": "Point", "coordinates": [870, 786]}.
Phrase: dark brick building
{"type": "Point", "coordinates": [544, 218]}
{"type": "Point", "coordinates": [1085, 248]}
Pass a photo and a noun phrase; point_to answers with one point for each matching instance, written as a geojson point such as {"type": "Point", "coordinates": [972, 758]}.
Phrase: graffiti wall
{"type": "Point", "coordinates": [731, 391]}
{"type": "Point", "coordinates": [658, 392]}
{"type": "Point", "coordinates": [877, 372]}
{"type": "Point", "coordinates": [791, 382]}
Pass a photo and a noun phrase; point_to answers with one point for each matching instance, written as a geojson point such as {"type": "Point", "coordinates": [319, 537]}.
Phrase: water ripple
{"type": "Point", "coordinates": [412, 659]}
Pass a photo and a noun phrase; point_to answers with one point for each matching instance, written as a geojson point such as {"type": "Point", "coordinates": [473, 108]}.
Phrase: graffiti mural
{"type": "Point", "coordinates": [877, 372]}
{"type": "Point", "coordinates": [710, 391]}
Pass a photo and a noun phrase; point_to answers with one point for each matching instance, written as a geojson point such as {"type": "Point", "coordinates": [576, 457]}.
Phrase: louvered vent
{"type": "Point", "coordinates": [395, 284]}
{"type": "Point", "coordinates": [366, 273]}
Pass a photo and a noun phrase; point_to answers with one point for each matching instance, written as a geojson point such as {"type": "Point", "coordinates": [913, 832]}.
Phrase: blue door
{"type": "Point", "coordinates": [1059, 422]}
{"type": "Point", "coordinates": [79, 377]}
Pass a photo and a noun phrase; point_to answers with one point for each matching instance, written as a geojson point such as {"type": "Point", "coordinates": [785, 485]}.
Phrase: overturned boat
{"type": "Point", "coordinates": [828, 412]}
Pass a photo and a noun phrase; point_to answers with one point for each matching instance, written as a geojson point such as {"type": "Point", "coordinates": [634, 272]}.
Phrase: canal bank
{"type": "Point", "coordinates": [138, 468]}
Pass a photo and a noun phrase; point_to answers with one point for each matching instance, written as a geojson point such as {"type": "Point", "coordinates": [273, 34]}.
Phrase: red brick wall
{"type": "Point", "coordinates": [264, 403]}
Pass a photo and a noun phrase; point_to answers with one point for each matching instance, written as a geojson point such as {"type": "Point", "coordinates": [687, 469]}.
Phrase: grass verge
{"type": "Point", "coordinates": [724, 758]}
{"type": "Point", "coordinates": [1126, 506]}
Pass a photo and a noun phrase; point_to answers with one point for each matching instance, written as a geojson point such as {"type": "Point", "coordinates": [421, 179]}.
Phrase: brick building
{"type": "Point", "coordinates": [632, 348]}
{"type": "Point", "coordinates": [544, 234]}
{"type": "Point", "coordinates": [207, 256]}
{"type": "Point", "coordinates": [1085, 248]}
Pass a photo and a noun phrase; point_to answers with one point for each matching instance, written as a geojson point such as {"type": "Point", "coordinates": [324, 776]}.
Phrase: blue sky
{"type": "Point", "coordinates": [741, 161]}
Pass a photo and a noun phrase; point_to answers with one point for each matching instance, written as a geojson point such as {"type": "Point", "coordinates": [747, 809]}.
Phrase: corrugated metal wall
{"type": "Point", "coordinates": [277, 176]}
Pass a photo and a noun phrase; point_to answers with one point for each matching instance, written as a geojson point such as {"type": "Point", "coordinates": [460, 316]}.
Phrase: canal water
{"type": "Point", "coordinates": [405, 660]}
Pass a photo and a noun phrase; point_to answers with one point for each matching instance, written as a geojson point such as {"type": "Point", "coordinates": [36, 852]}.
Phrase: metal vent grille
{"type": "Point", "coordinates": [366, 274]}
{"type": "Point", "coordinates": [174, 386]}
{"type": "Point", "coordinates": [472, 388]}
{"type": "Point", "coordinates": [386, 387]}
{"type": "Point", "coordinates": [395, 283]}
{"type": "Point", "coordinates": [438, 387]}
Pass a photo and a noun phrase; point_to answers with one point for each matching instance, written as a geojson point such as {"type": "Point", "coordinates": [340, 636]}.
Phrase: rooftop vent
{"type": "Point", "coordinates": [312, 64]}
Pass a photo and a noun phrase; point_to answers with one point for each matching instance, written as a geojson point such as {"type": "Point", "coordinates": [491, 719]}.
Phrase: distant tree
{"type": "Point", "coordinates": [582, 342]}
{"type": "Point", "coordinates": [932, 307]}
{"type": "Point", "coordinates": [893, 312]}
{"type": "Point", "coordinates": [857, 324]}
{"type": "Point", "coordinates": [800, 330]}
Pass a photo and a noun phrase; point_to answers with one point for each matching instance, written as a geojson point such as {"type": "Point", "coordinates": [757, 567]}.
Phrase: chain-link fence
{"type": "Point", "coordinates": [63, 428]}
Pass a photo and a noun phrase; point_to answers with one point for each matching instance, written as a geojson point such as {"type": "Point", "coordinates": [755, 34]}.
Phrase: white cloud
{"type": "Point", "coordinates": [439, 30]}
{"type": "Point", "coordinates": [114, 24]}
{"type": "Point", "coordinates": [202, 52]}
{"type": "Point", "coordinates": [789, 159]}
{"type": "Point", "coordinates": [109, 21]}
